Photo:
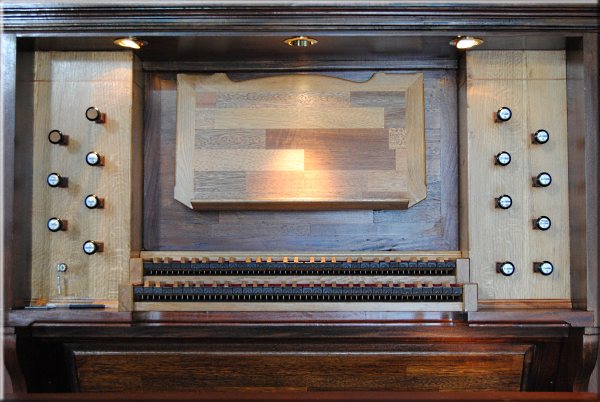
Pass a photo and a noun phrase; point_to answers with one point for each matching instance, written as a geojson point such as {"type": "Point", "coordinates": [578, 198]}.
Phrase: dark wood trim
{"type": "Point", "coordinates": [591, 52]}
{"type": "Point", "coordinates": [591, 62]}
{"type": "Point", "coordinates": [11, 362]}
{"type": "Point", "coordinates": [26, 318]}
{"type": "Point", "coordinates": [577, 178]}
{"type": "Point", "coordinates": [23, 181]}
{"type": "Point", "coordinates": [311, 396]}
{"type": "Point", "coordinates": [34, 19]}
{"type": "Point", "coordinates": [589, 354]}
{"type": "Point", "coordinates": [8, 44]}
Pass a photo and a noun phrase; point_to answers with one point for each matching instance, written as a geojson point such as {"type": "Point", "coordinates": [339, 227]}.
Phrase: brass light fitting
{"type": "Point", "coordinates": [301, 41]}
{"type": "Point", "coordinates": [466, 42]}
{"type": "Point", "coordinates": [130, 42]}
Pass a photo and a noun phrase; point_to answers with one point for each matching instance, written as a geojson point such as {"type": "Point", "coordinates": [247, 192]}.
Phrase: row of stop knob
{"type": "Point", "coordinates": [507, 268]}
{"type": "Point", "coordinates": [543, 179]}
{"type": "Point", "coordinates": [54, 180]}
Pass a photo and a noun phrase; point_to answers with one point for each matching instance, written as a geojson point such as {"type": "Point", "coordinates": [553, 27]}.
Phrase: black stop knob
{"type": "Point", "coordinates": [56, 180]}
{"type": "Point", "coordinates": [541, 137]}
{"type": "Point", "coordinates": [545, 267]}
{"type": "Point", "coordinates": [504, 202]}
{"type": "Point", "coordinates": [503, 114]}
{"type": "Point", "coordinates": [506, 268]}
{"type": "Point", "coordinates": [92, 247]}
{"type": "Point", "coordinates": [55, 224]}
{"type": "Point", "coordinates": [56, 137]}
{"type": "Point", "coordinates": [94, 114]}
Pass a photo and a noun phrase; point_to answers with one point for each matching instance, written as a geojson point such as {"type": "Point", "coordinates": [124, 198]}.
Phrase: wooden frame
{"type": "Point", "coordinates": [23, 21]}
{"type": "Point", "coordinates": [237, 150]}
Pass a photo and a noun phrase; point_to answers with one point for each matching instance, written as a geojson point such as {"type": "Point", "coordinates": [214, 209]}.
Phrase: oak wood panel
{"type": "Point", "coordinates": [434, 220]}
{"type": "Point", "coordinates": [307, 143]}
{"type": "Point", "coordinates": [65, 85]}
{"type": "Point", "coordinates": [301, 367]}
{"type": "Point", "coordinates": [298, 117]}
{"type": "Point", "coordinates": [532, 84]}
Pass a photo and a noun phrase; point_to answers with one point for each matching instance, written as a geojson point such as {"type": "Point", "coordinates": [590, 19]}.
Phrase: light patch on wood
{"type": "Point", "coordinates": [241, 160]}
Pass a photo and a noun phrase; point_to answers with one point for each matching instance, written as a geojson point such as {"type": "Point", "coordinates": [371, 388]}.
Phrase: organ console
{"type": "Point", "coordinates": [377, 203]}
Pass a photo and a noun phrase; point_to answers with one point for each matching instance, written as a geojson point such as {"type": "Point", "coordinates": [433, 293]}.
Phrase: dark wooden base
{"type": "Point", "coordinates": [281, 352]}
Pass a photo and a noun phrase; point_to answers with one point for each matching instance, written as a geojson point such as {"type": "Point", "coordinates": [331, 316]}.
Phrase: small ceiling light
{"type": "Point", "coordinates": [130, 42]}
{"type": "Point", "coordinates": [301, 41]}
{"type": "Point", "coordinates": [466, 42]}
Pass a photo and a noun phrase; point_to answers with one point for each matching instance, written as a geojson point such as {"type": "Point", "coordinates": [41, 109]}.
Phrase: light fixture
{"type": "Point", "coordinates": [130, 42]}
{"type": "Point", "coordinates": [301, 41]}
{"type": "Point", "coordinates": [466, 42]}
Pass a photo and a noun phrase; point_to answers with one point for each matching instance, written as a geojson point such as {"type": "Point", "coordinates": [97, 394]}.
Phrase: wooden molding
{"type": "Point", "coordinates": [22, 17]}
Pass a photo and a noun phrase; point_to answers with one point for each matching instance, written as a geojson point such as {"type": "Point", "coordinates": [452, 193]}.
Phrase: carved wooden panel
{"type": "Point", "coordinates": [300, 142]}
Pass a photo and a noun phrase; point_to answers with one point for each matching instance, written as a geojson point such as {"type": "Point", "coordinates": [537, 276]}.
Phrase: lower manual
{"type": "Point", "coordinates": [194, 292]}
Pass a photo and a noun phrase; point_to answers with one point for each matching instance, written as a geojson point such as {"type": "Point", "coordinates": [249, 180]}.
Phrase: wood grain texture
{"type": "Point", "coordinates": [533, 85]}
{"type": "Point", "coordinates": [429, 367]}
{"type": "Point", "coordinates": [376, 125]}
{"type": "Point", "coordinates": [66, 84]}
{"type": "Point", "coordinates": [298, 117]}
{"type": "Point", "coordinates": [242, 160]}
{"type": "Point", "coordinates": [430, 225]}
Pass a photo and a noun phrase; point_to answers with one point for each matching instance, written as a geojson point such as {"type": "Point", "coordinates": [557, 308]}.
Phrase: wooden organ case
{"type": "Point", "coordinates": [221, 211]}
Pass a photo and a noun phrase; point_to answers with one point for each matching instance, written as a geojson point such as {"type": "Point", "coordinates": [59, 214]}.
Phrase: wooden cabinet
{"type": "Point", "coordinates": [525, 332]}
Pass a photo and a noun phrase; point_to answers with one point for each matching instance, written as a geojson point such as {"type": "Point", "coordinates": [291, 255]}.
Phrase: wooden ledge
{"type": "Point", "coordinates": [24, 318]}
{"type": "Point", "coordinates": [575, 318]}
{"type": "Point", "coordinates": [311, 396]}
